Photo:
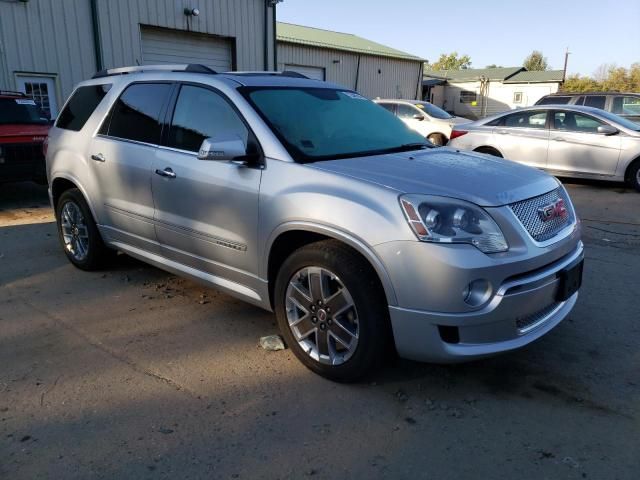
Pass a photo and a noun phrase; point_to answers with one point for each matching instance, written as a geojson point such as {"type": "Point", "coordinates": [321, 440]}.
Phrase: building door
{"type": "Point", "coordinates": [316, 73]}
{"type": "Point", "coordinates": [43, 90]}
{"type": "Point", "coordinates": [168, 47]}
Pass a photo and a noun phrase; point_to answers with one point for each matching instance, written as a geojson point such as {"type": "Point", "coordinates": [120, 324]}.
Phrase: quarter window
{"type": "Point", "coordinates": [136, 114]}
{"type": "Point", "coordinates": [388, 106]}
{"type": "Point", "coordinates": [81, 106]}
{"type": "Point", "coordinates": [575, 122]}
{"type": "Point", "coordinates": [533, 119]}
{"type": "Point", "coordinates": [201, 113]}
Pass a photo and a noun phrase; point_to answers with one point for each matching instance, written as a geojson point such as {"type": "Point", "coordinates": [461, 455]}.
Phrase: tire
{"type": "Point", "coordinates": [437, 139]}
{"type": "Point", "coordinates": [78, 233]}
{"type": "Point", "coordinates": [633, 177]}
{"type": "Point", "coordinates": [340, 277]}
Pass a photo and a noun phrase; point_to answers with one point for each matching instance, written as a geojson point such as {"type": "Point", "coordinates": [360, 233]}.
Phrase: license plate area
{"type": "Point", "coordinates": [570, 280]}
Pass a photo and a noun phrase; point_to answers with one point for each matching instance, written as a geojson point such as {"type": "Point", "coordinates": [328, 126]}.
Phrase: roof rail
{"type": "Point", "coordinates": [12, 92]}
{"type": "Point", "coordinates": [192, 67]}
{"type": "Point", "coordinates": [286, 73]}
{"type": "Point", "coordinates": [291, 73]}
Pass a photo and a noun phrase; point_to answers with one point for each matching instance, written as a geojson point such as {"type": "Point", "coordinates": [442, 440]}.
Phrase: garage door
{"type": "Point", "coordinates": [164, 46]}
{"type": "Point", "coordinates": [317, 73]}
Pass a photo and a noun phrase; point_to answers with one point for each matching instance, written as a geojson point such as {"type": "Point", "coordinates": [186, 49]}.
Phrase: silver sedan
{"type": "Point", "coordinates": [569, 141]}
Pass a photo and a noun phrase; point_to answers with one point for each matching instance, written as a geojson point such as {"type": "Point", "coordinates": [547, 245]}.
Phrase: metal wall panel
{"type": "Point", "coordinates": [378, 76]}
{"type": "Point", "coordinates": [45, 36]}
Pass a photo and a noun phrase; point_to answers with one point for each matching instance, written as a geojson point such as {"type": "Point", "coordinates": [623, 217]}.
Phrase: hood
{"type": "Point", "coordinates": [23, 133]}
{"type": "Point", "coordinates": [482, 179]}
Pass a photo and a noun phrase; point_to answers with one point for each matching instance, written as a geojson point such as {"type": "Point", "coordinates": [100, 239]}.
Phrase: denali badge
{"type": "Point", "coordinates": [553, 210]}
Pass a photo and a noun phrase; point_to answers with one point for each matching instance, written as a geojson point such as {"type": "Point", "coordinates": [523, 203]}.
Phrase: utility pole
{"type": "Point", "coordinates": [566, 60]}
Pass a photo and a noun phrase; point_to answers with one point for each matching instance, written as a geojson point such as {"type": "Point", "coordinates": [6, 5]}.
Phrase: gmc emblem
{"type": "Point", "coordinates": [553, 210]}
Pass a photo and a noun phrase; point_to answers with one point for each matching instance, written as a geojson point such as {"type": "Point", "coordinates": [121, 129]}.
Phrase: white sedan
{"type": "Point", "coordinates": [431, 122]}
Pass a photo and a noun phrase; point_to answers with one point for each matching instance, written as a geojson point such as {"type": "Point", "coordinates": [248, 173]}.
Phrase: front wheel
{"type": "Point", "coordinates": [634, 176]}
{"type": "Point", "coordinates": [331, 311]}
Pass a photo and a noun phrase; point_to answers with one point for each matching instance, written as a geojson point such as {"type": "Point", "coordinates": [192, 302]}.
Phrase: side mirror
{"type": "Point", "coordinates": [228, 148]}
{"type": "Point", "coordinates": [607, 130]}
{"type": "Point", "coordinates": [418, 117]}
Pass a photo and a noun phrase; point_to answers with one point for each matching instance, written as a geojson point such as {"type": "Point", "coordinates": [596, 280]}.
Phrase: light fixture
{"type": "Point", "coordinates": [191, 12]}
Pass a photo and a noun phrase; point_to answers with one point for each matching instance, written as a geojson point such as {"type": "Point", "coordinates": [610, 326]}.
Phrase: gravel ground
{"type": "Point", "coordinates": [134, 373]}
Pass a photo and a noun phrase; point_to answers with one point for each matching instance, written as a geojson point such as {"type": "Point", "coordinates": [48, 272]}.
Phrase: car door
{"type": "Point", "coordinates": [523, 137]}
{"type": "Point", "coordinates": [415, 119]}
{"type": "Point", "coordinates": [206, 211]}
{"type": "Point", "coordinates": [121, 156]}
{"type": "Point", "coordinates": [576, 146]}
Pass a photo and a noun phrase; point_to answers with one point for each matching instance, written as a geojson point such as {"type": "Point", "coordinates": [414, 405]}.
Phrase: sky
{"type": "Point", "coordinates": [491, 31]}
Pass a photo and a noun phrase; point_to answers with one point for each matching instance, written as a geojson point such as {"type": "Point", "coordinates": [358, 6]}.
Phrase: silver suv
{"type": "Point", "coordinates": [305, 198]}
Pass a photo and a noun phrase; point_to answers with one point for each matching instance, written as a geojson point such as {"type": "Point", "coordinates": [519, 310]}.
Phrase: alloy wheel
{"type": "Point", "coordinates": [74, 231]}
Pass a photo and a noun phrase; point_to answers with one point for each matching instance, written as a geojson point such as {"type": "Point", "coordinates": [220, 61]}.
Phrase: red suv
{"type": "Point", "coordinates": [23, 130]}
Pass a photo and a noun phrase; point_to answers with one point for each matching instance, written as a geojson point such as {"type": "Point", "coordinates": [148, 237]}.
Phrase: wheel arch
{"type": "Point", "coordinates": [62, 183]}
{"type": "Point", "coordinates": [630, 166]}
{"type": "Point", "coordinates": [289, 237]}
{"type": "Point", "coordinates": [488, 149]}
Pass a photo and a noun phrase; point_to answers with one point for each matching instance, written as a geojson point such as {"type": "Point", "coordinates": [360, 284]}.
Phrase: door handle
{"type": "Point", "coordinates": [98, 157]}
{"type": "Point", "coordinates": [167, 173]}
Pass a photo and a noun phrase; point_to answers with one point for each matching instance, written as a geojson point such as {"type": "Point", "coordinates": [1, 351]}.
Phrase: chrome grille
{"type": "Point", "coordinates": [527, 213]}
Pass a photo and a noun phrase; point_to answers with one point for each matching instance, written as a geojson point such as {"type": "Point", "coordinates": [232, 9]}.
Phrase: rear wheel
{"type": "Point", "coordinates": [78, 232]}
{"type": "Point", "coordinates": [437, 139]}
{"type": "Point", "coordinates": [331, 311]}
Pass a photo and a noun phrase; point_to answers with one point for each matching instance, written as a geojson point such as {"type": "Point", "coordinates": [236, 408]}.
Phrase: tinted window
{"type": "Point", "coordinates": [468, 97]}
{"type": "Point", "coordinates": [388, 106]}
{"type": "Point", "coordinates": [80, 106]}
{"type": "Point", "coordinates": [533, 119]}
{"type": "Point", "coordinates": [136, 114]}
{"type": "Point", "coordinates": [21, 111]}
{"type": "Point", "coordinates": [406, 111]}
{"type": "Point", "coordinates": [596, 101]}
{"type": "Point", "coordinates": [575, 122]}
{"type": "Point", "coordinates": [433, 111]}
{"type": "Point", "coordinates": [201, 113]}
{"type": "Point", "coordinates": [626, 105]}
{"type": "Point", "coordinates": [579, 101]}
{"type": "Point", "coordinates": [553, 100]}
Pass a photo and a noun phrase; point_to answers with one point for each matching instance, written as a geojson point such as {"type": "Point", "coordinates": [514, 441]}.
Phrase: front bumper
{"type": "Point", "coordinates": [523, 309]}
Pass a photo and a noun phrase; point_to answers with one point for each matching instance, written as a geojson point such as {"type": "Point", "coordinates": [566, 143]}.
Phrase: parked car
{"type": "Point", "coordinates": [23, 129]}
{"type": "Point", "coordinates": [431, 122]}
{"type": "Point", "coordinates": [626, 105]}
{"type": "Point", "coordinates": [305, 198]}
{"type": "Point", "coordinates": [569, 141]}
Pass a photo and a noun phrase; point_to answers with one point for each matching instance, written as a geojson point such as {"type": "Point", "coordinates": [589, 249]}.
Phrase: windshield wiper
{"type": "Point", "coordinates": [407, 147]}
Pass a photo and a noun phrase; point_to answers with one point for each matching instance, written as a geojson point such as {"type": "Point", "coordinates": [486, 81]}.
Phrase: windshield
{"type": "Point", "coordinates": [433, 111]}
{"type": "Point", "coordinates": [326, 124]}
{"type": "Point", "coordinates": [21, 111]}
{"type": "Point", "coordinates": [620, 120]}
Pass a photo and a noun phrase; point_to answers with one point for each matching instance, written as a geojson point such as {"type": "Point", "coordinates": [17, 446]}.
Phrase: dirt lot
{"type": "Point", "coordinates": [134, 373]}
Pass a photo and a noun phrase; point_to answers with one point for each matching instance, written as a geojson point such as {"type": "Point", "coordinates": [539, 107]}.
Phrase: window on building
{"type": "Point", "coordinates": [468, 97]}
{"type": "Point", "coordinates": [595, 101]}
{"type": "Point", "coordinates": [517, 97]}
{"type": "Point", "coordinates": [626, 105]}
{"type": "Point", "coordinates": [136, 114]}
{"type": "Point", "coordinates": [575, 122]}
{"type": "Point", "coordinates": [81, 106]}
{"type": "Point", "coordinates": [42, 89]}
{"type": "Point", "coordinates": [201, 113]}
{"type": "Point", "coordinates": [535, 119]}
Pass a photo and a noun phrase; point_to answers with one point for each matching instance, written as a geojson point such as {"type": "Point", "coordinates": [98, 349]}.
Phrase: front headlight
{"type": "Point", "coordinates": [447, 220]}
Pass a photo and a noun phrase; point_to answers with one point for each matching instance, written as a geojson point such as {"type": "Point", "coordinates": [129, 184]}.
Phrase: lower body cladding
{"type": "Point", "coordinates": [520, 310]}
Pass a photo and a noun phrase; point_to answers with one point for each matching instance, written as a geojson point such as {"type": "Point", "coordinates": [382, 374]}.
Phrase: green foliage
{"type": "Point", "coordinates": [493, 65]}
{"type": "Point", "coordinates": [536, 61]}
{"type": "Point", "coordinates": [612, 78]}
{"type": "Point", "coordinates": [450, 61]}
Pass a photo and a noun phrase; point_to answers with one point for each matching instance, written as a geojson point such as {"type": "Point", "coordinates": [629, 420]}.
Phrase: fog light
{"type": "Point", "coordinates": [477, 292]}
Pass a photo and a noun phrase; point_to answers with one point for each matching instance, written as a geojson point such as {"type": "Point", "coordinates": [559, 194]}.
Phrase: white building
{"type": "Point", "coordinates": [476, 93]}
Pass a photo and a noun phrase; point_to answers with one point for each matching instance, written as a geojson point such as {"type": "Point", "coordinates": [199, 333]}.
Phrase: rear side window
{"type": "Point", "coordinates": [596, 101]}
{"type": "Point", "coordinates": [554, 100]}
{"type": "Point", "coordinates": [388, 106]}
{"type": "Point", "coordinates": [136, 114]}
{"type": "Point", "coordinates": [81, 106]}
{"type": "Point", "coordinates": [533, 119]}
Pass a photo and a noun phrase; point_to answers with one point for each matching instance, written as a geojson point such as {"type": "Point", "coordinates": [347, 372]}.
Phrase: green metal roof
{"type": "Point", "coordinates": [532, 76]}
{"type": "Point", "coordinates": [315, 37]}
{"type": "Point", "coordinates": [474, 74]}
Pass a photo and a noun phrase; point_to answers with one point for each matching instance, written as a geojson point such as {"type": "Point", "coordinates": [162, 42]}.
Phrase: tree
{"type": "Point", "coordinates": [493, 65]}
{"type": "Point", "coordinates": [576, 83]}
{"type": "Point", "coordinates": [451, 61]}
{"type": "Point", "coordinates": [536, 61]}
{"type": "Point", "coordinates": [607, 78]}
